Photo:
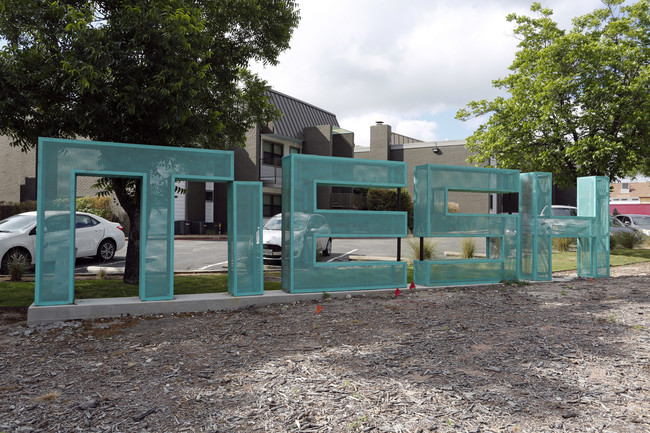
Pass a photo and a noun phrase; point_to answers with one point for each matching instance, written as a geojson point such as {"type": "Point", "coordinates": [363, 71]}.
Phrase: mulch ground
{"type": "Point", "coordinates": [571, 356]}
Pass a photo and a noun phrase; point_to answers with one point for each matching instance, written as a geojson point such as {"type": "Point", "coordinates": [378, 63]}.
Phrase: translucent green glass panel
{"type": "Point", "coordinates": [303, 222]}
{"type": "Point", "coordinates": [593, 245]}
{"type": "Point", "coordinates": [59, 164]}
{"type": "Point", "coordinates": [535, 213]}
{"type": "Point", "coordinates": [432, 184]}
{"type": "Point", "coordinates": [245, 272]}
{"type": "Point", "coordinates": [539, 227]}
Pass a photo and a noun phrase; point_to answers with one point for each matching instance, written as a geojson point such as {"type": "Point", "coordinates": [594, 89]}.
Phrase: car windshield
{"type": "Point", "coordinates": [275, 223]}
{"type": "Point", "coordinates": [616, 223]}
{"type": "Point", "coordinates": [641, 220]}
{"type": "Point", "coordinates": [17, 223]}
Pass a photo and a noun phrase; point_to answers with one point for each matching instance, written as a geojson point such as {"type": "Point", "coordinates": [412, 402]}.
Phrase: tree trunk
{"type": "Point", "coordinates": [128, 194]}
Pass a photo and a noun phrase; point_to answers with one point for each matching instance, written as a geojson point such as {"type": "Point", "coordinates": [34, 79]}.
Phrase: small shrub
{"type": "Point", "coordinates": [429, 250]}
{"type": "Point", "coordinates": [386, 199]}
{"type": "Point", "coordinates": [17, 265]}
{"type": "Point", "coordinates": [629, 240]}
{"type": "Point", "coordinates": [515, 282]}
{"type": "Point", "coordinates": [452, 207]}
{"type": "Point", "coordinates": [563, 244]}
{"type": "Point", "coordinates": [9, 209]}
{"type": "Point", "coordinates": [468, 248]}
{"type": "Point", "coordinates": [100, 206]}
{"type": "Point", "coordinates": [612, 241]}
{"type": "Point", "coordinates": [102, 274]}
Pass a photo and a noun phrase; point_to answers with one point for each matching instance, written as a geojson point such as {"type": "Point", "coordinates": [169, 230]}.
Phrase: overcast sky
{"type": "Point", "coordinates": [411, 64]}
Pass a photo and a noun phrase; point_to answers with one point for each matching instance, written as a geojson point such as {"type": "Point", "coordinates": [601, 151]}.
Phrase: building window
{"type": "Point", "coordinates": [272, 205]}
{"type": "Point", "coordinates": [294, 150]}
{"type": "Point", "coordinates": [625, 187]}
{"type": "Point", "coordinates": [272, 153]}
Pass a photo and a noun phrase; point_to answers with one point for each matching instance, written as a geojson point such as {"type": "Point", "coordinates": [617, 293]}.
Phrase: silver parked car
{"type": "Point", "coordinates": [616, 226]}
{"type": "Point", "coordinates": [94, 235]}
{"type": "Point", "coordinates": [639, 222]}
{"type": "Point", "coordinates": [314, 223]}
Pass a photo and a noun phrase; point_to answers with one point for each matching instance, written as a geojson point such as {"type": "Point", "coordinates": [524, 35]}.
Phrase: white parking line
{"type": "Point", "coordinates": [102, 265]}
{"type": "Point", "coordinates": [209, 266]}
{"type": "Point", "coordinates": [345, 254]}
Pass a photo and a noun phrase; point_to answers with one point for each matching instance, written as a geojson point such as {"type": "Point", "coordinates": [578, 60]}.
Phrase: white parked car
{"type": "Point", "coordinates": [314, 223]}
{"type": "Point", "coordinates": [562, 210]}
{"type": "Point", "coordinates": [94, 235]}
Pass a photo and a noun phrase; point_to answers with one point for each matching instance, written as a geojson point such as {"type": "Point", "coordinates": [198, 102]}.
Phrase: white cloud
{"type": "Point", "coordinates": [420, 129]}
{"type": "Point", "coordinates": [403, 62]}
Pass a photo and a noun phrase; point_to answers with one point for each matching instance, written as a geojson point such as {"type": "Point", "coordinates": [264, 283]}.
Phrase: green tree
{"type": "Point", "coordinates": [160, 72]}
{"type": "Point", "coordinates": [578, 103]}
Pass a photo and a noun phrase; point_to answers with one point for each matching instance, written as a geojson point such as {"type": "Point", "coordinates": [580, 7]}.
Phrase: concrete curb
{"type": "Point", "coordinates": [117, 307]}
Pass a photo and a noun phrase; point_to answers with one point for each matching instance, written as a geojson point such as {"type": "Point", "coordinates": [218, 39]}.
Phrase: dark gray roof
{"type": "Point", "coordinates": [297, 115]}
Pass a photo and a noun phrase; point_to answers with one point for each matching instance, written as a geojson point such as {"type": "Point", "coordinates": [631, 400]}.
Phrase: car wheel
{"type": "Point", "coordinates": [21, 254]}
{"type": "Point", "coordinates": [106, 250]}
{"type": "Point", "coordinates": [328, 248]}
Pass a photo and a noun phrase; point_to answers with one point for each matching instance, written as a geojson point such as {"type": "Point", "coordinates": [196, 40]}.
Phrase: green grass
{"type": "Point", "coordinates": [16, 293]}
{"type": "Point", "coordinates": [618, 257]}
{"type": "Point", "coordinates": [22, 293]}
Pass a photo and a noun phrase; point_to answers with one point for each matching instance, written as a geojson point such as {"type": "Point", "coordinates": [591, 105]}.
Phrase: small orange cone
{"type": "Point", "coordinates": [318, 309]}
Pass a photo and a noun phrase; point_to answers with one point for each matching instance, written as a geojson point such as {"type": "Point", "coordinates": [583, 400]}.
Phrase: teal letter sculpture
{"type": "Point", "coordinates": [303, 222]}
{"type": "Point", "coordinates": [157, 168]}
{"type": "Point", "coordinates": [245, 265]}
{"type": "Point", "coordinates": [591, 226]}
{"type": "Point", "coordinates": [432, 219]}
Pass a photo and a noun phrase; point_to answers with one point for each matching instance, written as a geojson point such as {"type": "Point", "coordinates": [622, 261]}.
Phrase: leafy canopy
{"type": "Point", "coordinates": [165, 72]}
{"type": "Point", "coordinates": [579, 100]}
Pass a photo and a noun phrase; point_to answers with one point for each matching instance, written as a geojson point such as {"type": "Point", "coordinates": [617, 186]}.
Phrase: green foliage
{"type": "Point", "coordinates": [518, 283]}
{"type": "Point", "coordinates": [578, 101]}
{"type": "Point", "coordinates": [386, 200]}
{"type": "Point", "coordinates": [159, 72]}
{"type": "Point", "coordinates": [563, 244]}
{"type": "Point", "coordinates": [9, 209]}
{"type": "Point", "coordinates": [468, 248]}
{"type": "Point", "coordinates": [100, 206]}
{"type": "Point", "coordinates": [165, 72]}
{"type": "Point", "coordinates": [428, 250]}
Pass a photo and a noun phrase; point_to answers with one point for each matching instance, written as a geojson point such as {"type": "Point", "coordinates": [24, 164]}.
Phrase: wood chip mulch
{"type": "Point", "coordinates": [570, 356]}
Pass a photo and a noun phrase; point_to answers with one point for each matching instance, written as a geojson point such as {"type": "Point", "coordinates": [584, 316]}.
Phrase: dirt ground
{"type": "Point", "coordinates": [567, 356]}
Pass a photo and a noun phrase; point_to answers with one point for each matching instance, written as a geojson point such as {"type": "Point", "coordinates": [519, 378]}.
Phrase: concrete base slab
{"type": "Point", "coordinates": [116, 307]}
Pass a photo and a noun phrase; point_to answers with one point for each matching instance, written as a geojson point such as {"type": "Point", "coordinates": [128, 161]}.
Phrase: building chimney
{"type": "Point", "coordinates": [380, 142]}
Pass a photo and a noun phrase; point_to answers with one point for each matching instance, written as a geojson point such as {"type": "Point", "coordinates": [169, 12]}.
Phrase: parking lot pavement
{"type": "Point", "coordinates": [192, 255]}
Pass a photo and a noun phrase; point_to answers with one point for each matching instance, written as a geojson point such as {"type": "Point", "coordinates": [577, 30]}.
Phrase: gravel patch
{"type": "Point", "coordinates": [568, 356]}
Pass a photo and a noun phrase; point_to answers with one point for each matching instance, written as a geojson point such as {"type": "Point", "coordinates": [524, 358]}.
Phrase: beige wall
{"type": "Point", "coordinates": [450, 154]}
{"type": "Point", "coordinates": [15, 166]}
{"type": "Point", "coordinates": [417, 153]}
